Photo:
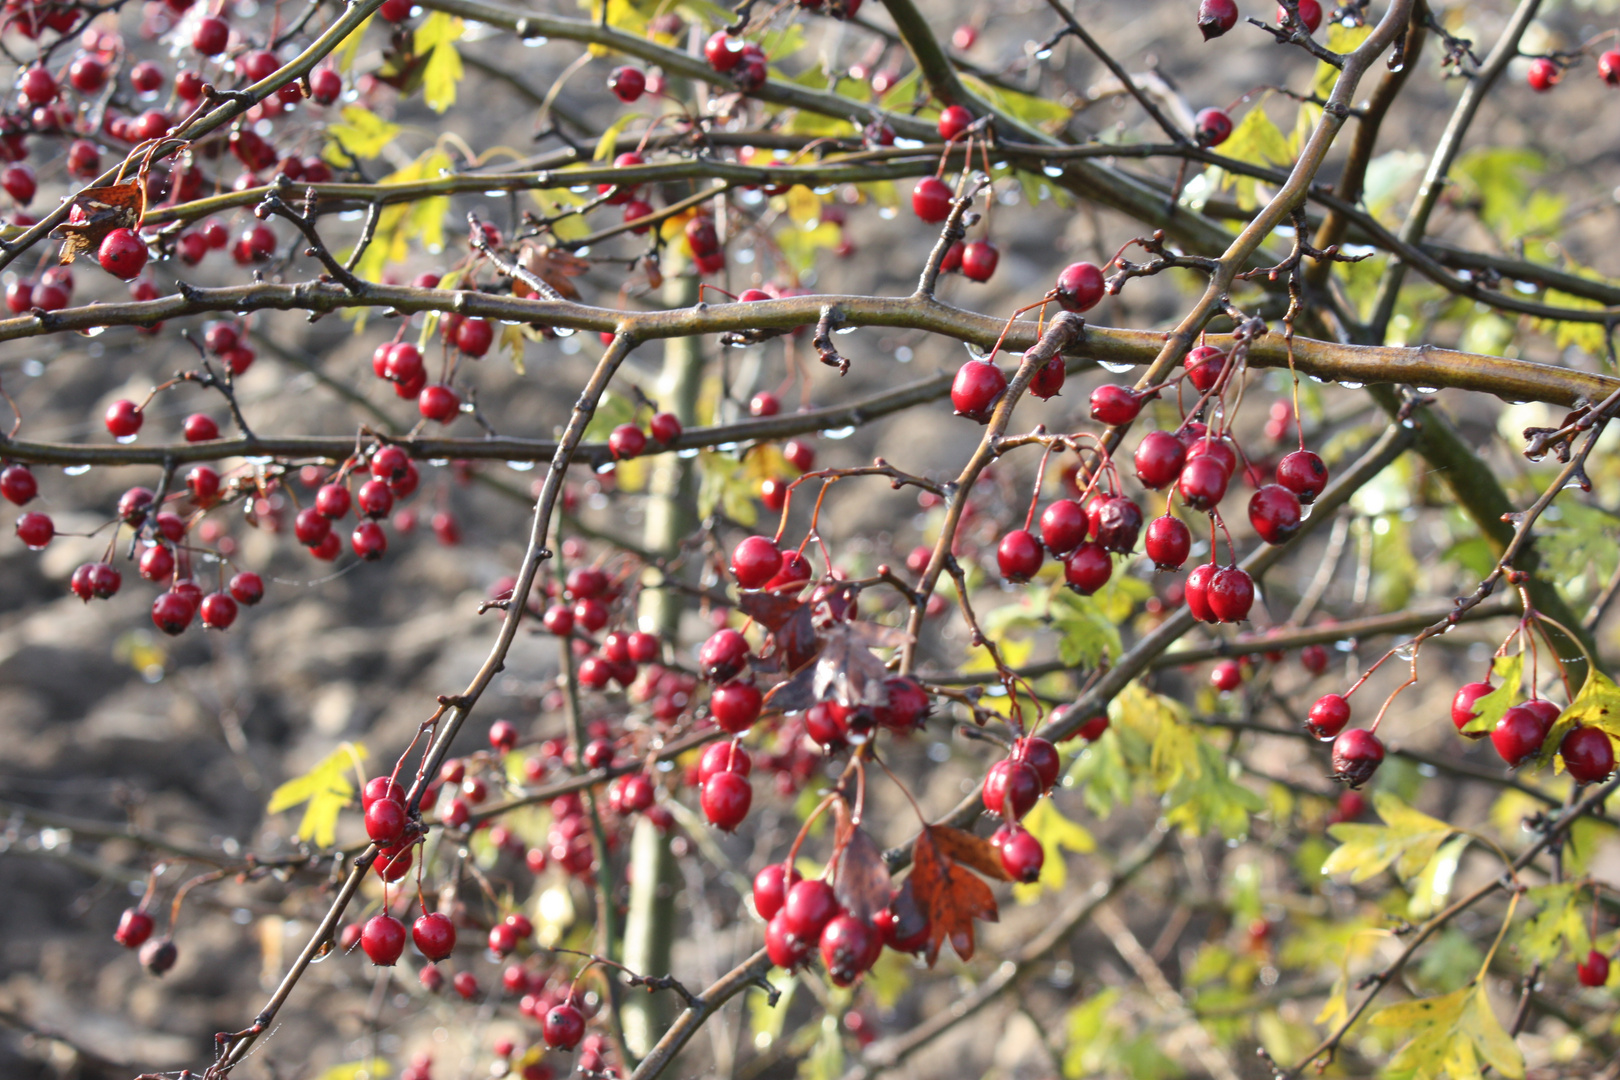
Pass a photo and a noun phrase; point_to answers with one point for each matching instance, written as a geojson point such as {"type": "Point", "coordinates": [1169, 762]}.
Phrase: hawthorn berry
{"type": "Point", "coordinates": [1212, 126]}
{"type": "Point", "coordinates": [785, 949]}
{"type": "Point", "coordinates": [247, 588]}
{"type": "Point", "coordinates": [1040, 755]}
{"type": "Point", "coordinates": [735, 705]}
{"type": "Point", "coordinates": [1274, 512]}
{"type": "Point", "coordinates": [1357, 753]}
{"type": "Point", "coordinates": [439, 403]}
{"type": "Point", "coordinates": [1047, 382]}
{"type": "Point", "coordinates": [1303, 473]}
{"type": "Point", "coordinates": [1226, 676]}
{"type": "Point", "coordinates": [848, 947]}
{"type": "Point", "coordinates": [1588, 754]}
{"type": "Point", "coordinates": [1197, 592]}
{"type": "Point", "coordinates": [809, 907]}
{"type": "Point", "coordinates": [755, 561]}
{"type": "Point", "coordinates": [1159, 459]}
{"type": "Point", "coordinates": [1019, 556]}
{"type": "Point", "coordinates": [1462, 706]}
{"type": "Point", "coordinates": [1544, 74]}
{"type": "Point", "coordinates": [1594, 970]}
{"type": "Point", "coordinates": [18, 484]}
{"type": "Point", "coordinates": [1202, 483]}
{"type": "Point", "coordinates": [1328, 716]}
{"type": "Point", "coordinates": [1231, 594]}
{"type": "Point", "coordinates": [1314, 658]}
{"type": "Point", "coordinates": [1310, 14]}
{"type": "Point", "coordinates": [159, 955]}
{"type": "Point", "coordinates": [722, 51]}
{"type": "Point", "coordinates": [1011, 788]}
{"type": "Point", "coordinates": [1519, 734]}
{"type": "Point", "coordinates": [771, 887]}
{"type": "Point", "coordinates": [1115, 523]}
{"type": "Point", "coordinates": [931, 200]}
{"type": "Point", "coordinates": [18, 182]}
{"type": "Point", "coordinates": [627, 83]}
{"type": "Point", "coordinates": [1114, 405]}
{"type": "Point", "coordinates": [383, 938]}
{"type": "Point", "coordinates": [976, 389]}
{"type": "Point", "coordinates": [123, 419]}
{"type": "Point", "coordinates": [368, 540]}
{"type": "Point", "coordinates": [1021, 854]}
{"type": "Point", "coordinates": [953, 120]}
{"type": "Point", "coordinates": [979, 260]}
{"type": "Point", "coordinates": [218, 611]}
{"type": "Point", "coordinates": [35, 529]}
{"type": "Point", "coordinates": [1168, 542]}
{"type": "Point", "coordinates": [1064, 526]}
{"type": "Point", "coordinates": [1608, 67]}
{"type": "Point", "coordinates": [325, 85]}
{"type": "Point", "coordinates": [1087, 568]}
{"type": "Point", "coordinates": [1079, 286]}
{"type": "Point", "coordinates": [724, 757]}
{"type": "Point", "coordinates": [1216, 17]}
{"type": "Point", "coordinates": [664, 427]}
{"type": "Point", "coordinates": [764, 403]}
{"type": "Point", "coordinates": [726, 799]}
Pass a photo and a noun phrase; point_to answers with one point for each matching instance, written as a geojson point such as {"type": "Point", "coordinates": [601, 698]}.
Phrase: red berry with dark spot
{"type": "Point", "coordinates": [849, 946]}
{"type": "Point", "coordinates": [563, 1027]}
{"type": "Point", "coordinates": [134, 927]}
{"type": "Point", "coordinates": [1202, 483]}
{"type": "Point", "coordinates": [1115, 523]}
{"type": "Point", "coordinates": [1303, 473]}
{"type": "Point", "coordinates": [1357, 753]}
{"type": "Point", "coordinates": [1608, 66]}
{"type": "Point", "coordinates": [1212, 126]}
{"type": "Point", "coordinates": [627, 83]}
{"type": "Point", "coordinates": [1168, 542]}
{"type": "Point", "coordinates": [1216, 17]}
{"type": "Point", "coordinates": [1079, 287]}
{"type": "Point", "coordinates": [1588, 754]}
{"type": "Point", "coordinates": [368, 540]}
{"type": "Point", "coordinates": [1021, 854]}
{"type": "Point", "coordinates": [1274, 512]}
{"type": "Point", "coordinates": [976, 389]}
{"type": "Point", "coordinates": [1328, 716]}
{"type": "Point", "coordinates": [1019, 556]}
{"type": "Point", "coordinates": [247, 588]}
{"type": "Point", "coordinates": [1087, 568]}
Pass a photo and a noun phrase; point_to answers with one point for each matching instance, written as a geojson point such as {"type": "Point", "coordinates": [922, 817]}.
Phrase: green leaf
{"type": "Point", "coordinates": [361, 133]}
{"type": "Point", "coordinates": [1057, 834]}
{"type": "Point", "coordinates": [1452, 1035]}
{"type": "Point", "coordinates": [1087, 636]}
{"type": "Point", "coordinates": [799, 245]}
{"type": "Point", "coordinates": [1209, 797]}
{"type": "Point", "coordinates": [1408, 839]}
{"type": "Point", "coordinates": [1341, 39]}
{"type": "Point", "coordinates": [1432, 887]}
{"type": "Point", "coordinates": [1557, 926]}
{"type": "Point", "coordinates": [349, 47]}
{"type": "Point", "coordinates": [1036, 112]}
{"type": "Point", "coordinates": [1508, 671]}
{"type": "Point", "coordinates": [610, 137]}
{"type": "Point", "coordinates": [324, 791]}
{"type": "Point", "coordinates": [826, 1060]}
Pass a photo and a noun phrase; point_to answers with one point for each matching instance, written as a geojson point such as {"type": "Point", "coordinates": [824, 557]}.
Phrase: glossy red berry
{"type": "Point", "coordinates": [979, 260]}
{"type": "Point", "coordinates": [1087, 568]}
{"type": "Point", "coordinates": [722, 51]}
{"type": "Point", "coordinates": [1064, 526]}
{"type": "Point", "coordinates": [976, 389]}
{"type": "Point", "coordinates": [953, 120]}
{"type": "Point", "coordinates": [665, 428]}
{"type": "Point", "coordinates": [18, 182]}
{"type": "Point", "coordinates": [1303, 473]}
{"type": "Point", "coordinates": [368, 540]}
{"type": "Point", "coordinates": [1608, 67]}
{"type": "Point", "coordinates": [726, 799]}
{"type": "Point", "coordinates": [848, 947]}
{"type": "Point", "coordinates": [385, 822]}
{"type": "Point", "coordinates": [1216, 17]}
{"type": "Point", "coordinates": [1019, 556]}
{"type": "Point", "coordinates": [1197, 592]}
{"type": "Point", "coordinates": [134, 927]}
{"type": "Point", "coordinates": [1021, 854]}
{"type": "Point", "coordinates": [1079, 287]}
{"type": "Point", "coordinates": [18, 484]}
{"type": "Point", "coordinates": [218, 611]}
{"type": "Point", "coordinates": [1040, 755]}
{"type": "Point", "coordinates": [434, 935]}
{"type": "Point", "coordinates": [383, 938]}
{"type": "Point", "coordinates": [1168, 542]}
{"type": "Point", "coordinates": [1588, 754]}
{"type": "Point", "coordinates": [931, 200]}
{"type": "Point", "coordinates": [1328, 716]}
{"type": "Point", "coordinates": [438, 403]}
{"type": "Point", "coordinates": [1048, 380]}
{"type": "Point", "coordinates": [1519, 734]}
{"type": "Point", "coordinates": [563, 1027]}
{"type": "Point", "coordinates": [1594, 970]}
{"type": "Point", "coordinates": [1159, 459]}
{"type": "Point", "coordinates": [627, 83]}
{"type": "Point", "coordinates": [809, 907]}
{"type": "Point", "coordinates": [475, 336]}
{"type": "Point", "coordinates": [786, 949]}
{"type": "Point", "coordinates": [1275, 514]}
{"type": "Point", "coordinates": [123, 419]}
{"type": "Point", "coordinates": [764, 403]}
{"type": "Point", "coordinates": [1202, 483]}
{"type": "Point", "coordinates": [1227, 676]}
{"type": "Point", "coordinates": [1357, 753]}
{"type": "Point", "coordinates": [626, 441]}
{"type": "Point", "coordinates": [1212, 126]}
{"type": "Point", "coordinates": [1231, 594]}
{"type": "Point", "coordinates": [799, 454]}
{"type": "Point", "coordinates": [771, 887]}
{"type": "Point", "coordinates": [1462, 705]}
{"type": "Point", "coordinates": [1310, 15]}
{"type": "Point", "coordinates": [87, 74]}
{"type": "Point", "coordinates": [247, 588]}
{"type": "Point", "coordinates": [38, 86]}
{"type": "Point", "coordinates": [755, 561]}
{"type": "Point", "coordinates": [1544, 74]}
{"type": "Point", "coordinates": [325, 85]}
{"type": "Point", "coordinates": [35, 529]}
{"type": "Point", "coordinates": [1113, 404]}
{"type": "Point", "coordinates": [375, 499]}
{"type": "Point", "coordinates": [1011, 788]}
{"type": "Point", "coordinates": [735, 706]}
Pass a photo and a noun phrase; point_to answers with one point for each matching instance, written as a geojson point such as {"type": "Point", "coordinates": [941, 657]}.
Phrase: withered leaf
{"type": "Point", "coordinates": [794, 695]}
{"type": "Point", "coordinates": [861, 878]}
{"type": "Point", "coordinates": [771, 610]}
{"type": "Point", "coordinates": [553, 266]}
{"type": "Point", "coordinates": [909, 920]}
{"type": "Point", "coordinates": [965, 847]}
{"type": "Point", "coordinates": [793, 637]}
{"type": "Point", "coordinates": [949, 895]}
{"type": "Point", "coordinates": [98, 211]}
{"type": "Point", "coordinates": [848, 671]}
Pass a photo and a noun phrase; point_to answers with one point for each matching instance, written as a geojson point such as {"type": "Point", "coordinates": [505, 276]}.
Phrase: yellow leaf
{"type": "Point", "coordinates": [325, 790]}
{"type": "Point", "coordinates": [350, 46]}
{"type": "Point", "coordinates": [1341, 39]}
{"type": "Point", "coordinates": [1408, 838]}
{"type": "Point", "coordinates": [610, 137]}
{"type": "Point", "coordinates": [1597, 705]}
{"type": "Point", "coordinates": [804, 206]}
{"type": "Point", "coordinates": [361, 133]}
{"type": "Point", "coordinates": [440, 75]}
{"type": "Point", "coordinates": [512, 341]}
{"type": "Point", "coordinates": [1056, 834]}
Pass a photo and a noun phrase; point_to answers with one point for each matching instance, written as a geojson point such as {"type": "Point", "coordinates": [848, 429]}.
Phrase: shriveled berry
{"type": "Point", "coordinates": [1357, 753]}
{"type": "Point", "coordinates": [1216, 17]}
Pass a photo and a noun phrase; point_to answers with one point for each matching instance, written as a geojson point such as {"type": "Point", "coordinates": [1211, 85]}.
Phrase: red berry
{"type": "Point", "coordinates": [134, 927]}
{"type": "Point", "coordinates": [38, 86]}
{"type": "Point", "coordinates": [1462, 705]}
{"type": "Point", "coordinates": [1594, 971]}
{"type": "Point", "coordinates": [211, 36]}
{"type": "Point", "coordinates": [383, 938]}
{"type": "Point", "coordinates": [1588, 754]}
{"type": "Point", "coordinates": [1231, 594]}
{"type": "Point", "coordinates": [503, 736]}
{"type": "Point", "coordinates": [726, 799]}
{"type": "Point", "coordinates": [385, 822]}
{"type": "Point", "coordinates": [1064, 526]}
{"type": "Point", "coordinates": [1212, 126]}
{"type": "Point", "coordinates": [1048, 379]}
{"type": "Point", "coordinates": [1088, 568]}
{"type": "Point", "coordinates": [976, 389]}
{"type": "Point", "coordinates": [722, 656]}
{"type": "Point", "coordinates": [931, 199]}
{"type": "Point", "coordinates": [1227, 676]}
{"type": "Point", "coordinates": [1168, 542]}
{"type": "Point", "coordinates": [438, 403]}
{"type": "Point", "coordinates": [19, 183]}
{"type": "Point", "coordinates": [1093, 729]}
{"type": "Point", "coordinates": [474, 336]}
{"type": "Point", "coordinates": [1275, 513]}
{"type": "Point", "coordinates": [1011, 788]}
{"type": "Point", "coordinates": [979, 260]}
{"type": "Point", "coordinates": [755, 561]}
{"type": "Point", "coordinates": [724, 757]}
{"type": "Point", "coordinates": [626, 441]}
{"type": "Point", "coordinates": [800, 454]}
{"type": "Point", "coordinates": [735, 706]}
{"type": "Point", "coordinates": [1328, 716]}
{"type": "Point", "coordinates": [591, 613]}
{"type": "Point", "coordinates": [1159, 459]}
{"type": "Point", "coordinates": [395, 11]}
{"type": "Point", "coordinates": [1216, 17]}
{"type": "Point", "coordinates": [1040, 755]}
{"type": "Point", "coordinates": [122, 254]}
{"type": "Point", "coordinates": [562, 1027]}
{"type": "Point", "coordinates": [665, 428]}
{"type": "Point", "coordinates": [311, 526]}
{"type": "Point", "coordinates": [325, 85]}
{"type": "Point", "coordinates": [1357, 753]}
{"type": "Point", "coordinates": [907, 706]}
{"type": "Point", "coordinates": [1519, 734]}
{"type": "Point", "coordinates": [1608, 66]}
{"type": "Point", "coordinates": [809, 907]}
{"type": "Point", "coordinates": [849, 946]}
{"type": "Point", "coordinates": [785, 949]}
{"type": "Point", "coordinates": [35, 529]}
{"type": "Point", "coordinates": [1112, 404]}
{"type": "Point", "coordinates": [18, 485]}
{"type": "Point", "coordinates": [722, 51]}
{"type": "Point", "coordinates": [124, 419]}
{"type": "Point", "coordinates": [1310, 14]}
{"type": "Point", "coordinates": [770, 889]}
{"type": "Point", "coordinates": [435, 936]}
{"type": "Point", "coordinates": [375, 499]}
{"type": "Point", "coordinates": [701, 236]}
{"type": "Point", "coordinates": [1079, 287]}
{"type": "Point", "coordinates": [218, 611]}
{"type": "Point", "coordinates": [1544, 74]}
{"type": "Point", "coordinates": [247, 588]}
{"type": "Point", "coordinates": [1021, 854]}
{"type": "Point", "coordinates": [1202, 483]}
{"type": "Point", "coordinates": [87, 74]}
{"type": "Point", "coordinates": [1197, 592]}
{"type": "Point", "coordinates": [952, 262]}
{"type": "Point", "coordinates": [953, 120]}
{"type": "Point", "coordinates": [559, 620]}
{"type": "Point", "coordinates": [368, 540]}
{"type": "Point", "coordinates": [1019, 556]}
{"type": "Point", "coordinates": [1314, 658]}
{"type": "Point", "coordinates": [764, 403]}
{"type": "Point", "coordinates": [1303, 473]}
{"type": "Point", "coordinates": [627, 83]}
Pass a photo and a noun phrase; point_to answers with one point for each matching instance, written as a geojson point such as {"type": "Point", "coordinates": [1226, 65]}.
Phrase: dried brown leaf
{"type": "Point", "coordinates": [861, 878]}
{"type": "Point", "coordinates": [554, 266]}
{"type": "Point", "coordinates": [98, 211]}
{"type": "Point", "coordinates": [949, 895]}
{"type": "Point", "coordinates": [965, 847]}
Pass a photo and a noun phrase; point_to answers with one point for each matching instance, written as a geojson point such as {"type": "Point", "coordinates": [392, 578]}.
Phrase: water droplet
{"type": "Point", "coordinates": [1043, 54]}
{"type": "Point", "coordinates": [76, 470]}
{"type": "Point", "coordinates": [688, 454]}
{"type": "Point", "coordinates": [903, 354]}
{"type": "Point", "coordinates": [580, 189]}
{"type": "Point", "coordinates": [605, 468]}
{"type": "Point", "coordinates": [126, 438]}
{"type": "Point", "coordinates": [1052, 171]}
{"type": "Point", "coordinates": [495, 194]}
{"type": "Point", "coordinates": [1428, 389]}
{"type": "Point", "coordinates": [322, 952]}
{"type": "Point", "coordinates": [974, 350]}
{"type": "Point", "coordinates": [95, 331]}
{"type": "Point", "coordinates": [907, 144]}
{"type": "Point", "coordinates": [520, 466]}
{"type": "Point", "coordinates": [846, 329]}
{"type": "Point", "coordinates": [888, 213]}
{"type": "Point", "coordinates": [534, 42]}
{"type": "Point", "coordinates": [1108, 365]}
{"type": "Point", "coordinates": [1352, 385]}
{"type": "Point", "coordinates": [565, 331]}
{"type": "Point", "coordinates": [33, 368]}
{"type": "Point", "coordinates": [838, 433]}
{"type": "Point", "coordinates": [438, 462]}
{"type": "Point", "coordinates": [1406, 650]}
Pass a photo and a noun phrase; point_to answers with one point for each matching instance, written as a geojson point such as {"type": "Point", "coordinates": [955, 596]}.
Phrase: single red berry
{"type": "Point", "coordinates": [1112, 404]}
{"type": "Point", "coordinates": [1310, 14]}
{"type": "Point", "coordinates": [1274, 512]}
{"type": "Point", "coordinates": [1594, 971]}
{"type": "Point", "coordinates": [979, 260]}
{"type": "Point", "coordinates": [1231, 594]}
{"type": "Point", "coordinates": [247, 588]}
{"type": "Point", "coordinates": [724, 757]}
{"type": "Point", "coordinates": [87, 74]}
{"type": "Point", "coordinates": [1519, 734]}
{"type": "Point", "coordinates": [333, 501]}
{"type": "Point", "coordinates": [211, 36]}
{"type": "Point", "coordinates": [1314, 658]}
{"type": "Point", "coordinates": [1019, 556]}
{"type": "Point", "coordinates": [726, 799]}
{"type": "Point", "coordinates": [764, 403]}
{"type": "Point", "coordinates": [976, 389]}
{"type": "Point", "coordinates": [35, 529]}
{"type": "Point", "coordinates": [953, 120]}
{"type": "Point", "coordinates": [383, 938]}
{"type": "Point", "coordinates": [1303, 473]}
{"type": "Point", "coordinates": [786, 949]}
{"type": "Point", "coordinates": [626, 441]}
{"type": "Point", "coordinates": [385, 822]}
{"type": "Point", "coordinates": [1011, 788]}
{"type": "Point", "coordinates": [438, 403]}
{"type": "Point", "coordinates": [1202, 483]}
{"type": "Point", "coordinates": [375, 499]}
{"type": "Point", "coordinates": [735, 706]}
{"type": "Point", "coordinates": [771, 887]}
{"type": "Point", "coordinates": [1226, 676]}
{"type": "Point", "coordinates": [1462, 705]}
{"type": "Point", "coordinates": [627, 83]}
{"type": "Point", "coordinates": [665, 428]}
{"type": "Point", "coordinates": [1048, 379]}
{"type": "Point", "coordinates": [701, 236]}
{"type": "Point", "coordinates": [1021, 854]}
{"type": "Point", "coordinates": [1040, 755]}
{"type": "Point", "coordinates": [1328, 716]}
{"type": "Point", "coordinates": [134, 927]}
{"type": "Point", "coordinates": [755, 561]}
{"type": "Point", "coordinates": [38, 86]}
{"type": "Point", "coordinates": [848, 947]}
{"type": "Point", "coordinates": [200, 427]}
{"type": "Point", "coordinates": [907, 706]}
{"type": "Point", "coordinates": [435, 936]}
{"type": "Point", "coordinates": [722, 51]}
{"type": "Point", "coordinates": [122, 254]}
{"type": "Point", "coordinates": [1357, 753]}
{"type": "Point", "coordinates": [218, 611]}
{"type": "Point", "coordinates": [1608, 66]}
{"type": "Point", "coordinates": [1216, 17]}
{"type": "Point", "coordinates": [104, 581]}
{"type": "Point", "coordinates": [809, 907]}
{"type": "Point", "coordinates": [18, 484]}
{"type": "Point", "coordinates": [723, 655]}
{"type": "Point", "coordinates": [1588, 754]}
{"type": "Point", "coordinates": [1212, 126]}
{"type": "Point", "coordinates": [1159, 459]}
{"type": "Point", "coordinates": [124, 419]}
{"type": "Point", "coordinates": [503, 736]}
{"type": "Point", "coordinates": [368, 540]}
{"type": "Point", "coordinates": [799, 454]}
{"type": "Point", "coordinates": [1168, 542]}
{"type": "Point", "coordinates": [952, 261]}
{"type": "Point", "coordinates": [1197, 592]}
{"type": "Point", "coordinates": [1087, 568]}
{"type": "Point", "coordinates": [931, 200]}
{"type": "Point", "coordinates": [1079, 287]}
{"type": "Point", "coordinates": [395, 11]}
{"type": "Point", "coordinates": [311, 526]}
{"type": "Point", "coordinates": [1544, 74]}
{"type": "Point", "coordinates": [558, 620]}
{"type": "Point", "coordinates": [18, 182]}
{"type": "Point", "coordinates": [1064, 526]}
{"type": "Point", "coordinates": [503, 939]}
{"type": "Point", "coordinates": [325, 85]}
{"type": "Point", "coordinates": [793, 576]}
{"type": "Point", "coordinates": [591, 614]}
